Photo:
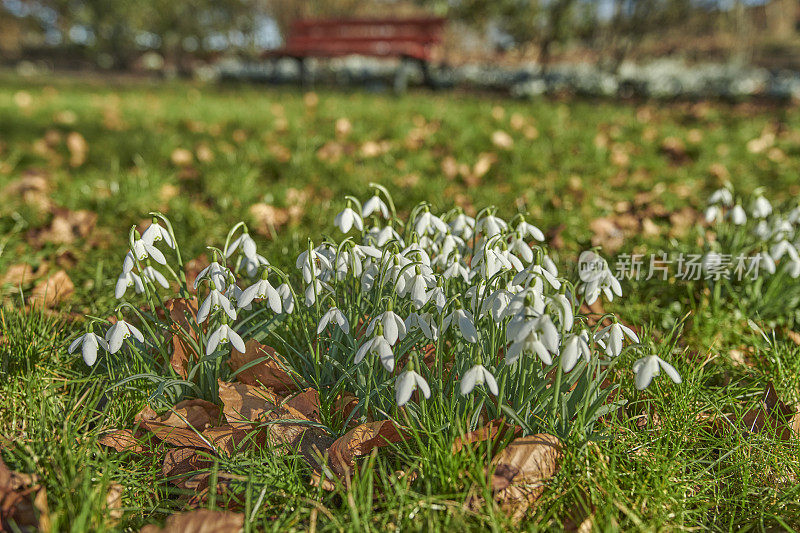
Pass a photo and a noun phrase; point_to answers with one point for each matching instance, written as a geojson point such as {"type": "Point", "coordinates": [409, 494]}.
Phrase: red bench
{"type": "Point", "coordinates": [408, 39]}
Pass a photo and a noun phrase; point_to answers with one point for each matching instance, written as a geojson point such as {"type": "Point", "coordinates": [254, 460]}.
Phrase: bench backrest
{"type": "Point", "coordinates": [412, 37]}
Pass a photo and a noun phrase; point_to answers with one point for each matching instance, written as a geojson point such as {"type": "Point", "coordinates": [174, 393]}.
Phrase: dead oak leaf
{"type": "Point", "coordinates": [183, 313]}
{"type": "Point", "coordinates": [53, 290]}
{"type": "Point", "coordinates": [521, 470]}
{"type": "Point", "coordinates": [200, 521]}
{"type": "Point", "coordinates": [261, 365]}
{"type": "Point", "coordinates": [23, 503]}
{"type": "Point", "coordinates": [495, 430]}
{"type": "Point", "coordinates": [360, 441]}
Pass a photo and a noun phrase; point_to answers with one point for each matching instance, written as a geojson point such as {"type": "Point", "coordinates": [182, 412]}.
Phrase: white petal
{"type": "Point", "coordinates": [469, 380]}
{"type": "Point", "coordinates": [669, 370]}
{"type": "Point", "coordinates": [236, 341]}
{"type": "Point", "coordinates": [404, 387]}
{"type": "Point", "coordinates": [213, 340]}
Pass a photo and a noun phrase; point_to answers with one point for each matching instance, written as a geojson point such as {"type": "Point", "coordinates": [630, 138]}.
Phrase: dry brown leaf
{"type": "Point", "coordinates": [343, 127]}
{"type": "Point", "coordinates": [22, 274]}
{"type": "Point", "coordinates": [200, 521]}
{"type": "Point", "coordinates": [181, 157]}
{"type": "Point", "coordinates": [360, 441]}
{"type": "Point", "coordinates": [502, 140]}
{"type": "Point", "coordinates": [32, 188]}
{"type": "Point", "coordinates": [607, 234]}
{"type": "Point", "coordinates": [181, 465]}
{"type": "Point", "coordinates": [495, 430]}
{"type": "Point", "coordinates": [53, 290]}
{"type": "Point", "coordinates": [65, 227]}
{"type": "Point", "coordinates": [124, 440]}
{"type": "Point", "coordinates": [23, 503]}
{"type": "Point", "coordinates": [114, 501]}
{"type": "Point", "coordinates": [245, 405]}
{"type": "Point", "coordinates": [183, 312]}
{"type": "Point", "coordinates": [793, 336]}
{"type": "Point", "coordinates": [78, 148]}
{"type": "Point", "coordinates": [269, 373]}
{"type": "Point", "coordinates": [268, 218]}
{"type": "Point", "coordinates": [521, 470]}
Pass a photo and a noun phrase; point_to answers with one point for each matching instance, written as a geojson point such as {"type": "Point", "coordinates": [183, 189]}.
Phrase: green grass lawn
{"type": "Point", "coordinates": [206, 155]}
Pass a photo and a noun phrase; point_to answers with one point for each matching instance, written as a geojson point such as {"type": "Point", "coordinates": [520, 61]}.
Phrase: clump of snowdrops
{"type": "Point", "coordinates": [434, 313]}
{"type": "Point", "coordinates": [753, 258]}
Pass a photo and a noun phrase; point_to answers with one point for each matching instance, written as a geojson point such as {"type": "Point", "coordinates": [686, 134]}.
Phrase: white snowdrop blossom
{"type": "Point", "coordinates": [261, 289]}
{"type": "Point", "coordinates": [478, 375]}
{"type": "Point", "coordinates": [490, 226]}
{"type": "Point", "coordinates": [427, 222]}
{"type": "Point", "coordinates": [214, 272]}
{"type": "Point", "coordinates": [649, 367]}
{"type": "Point", "coordinates": [466, 324]}
{"type": "Point", "coordinates": [574, 347]}
{"type": "Point", "coordinates": [222, 335]}
{"type": "Point", "coordinates": [125, 281]}
{"type": "Point", "coordinates": [142, 250]}
{"type": "Point", "coordinates": [612, 337]}
{"type": "Point", "coordinates": [335, 316]}
{"type": "Point", "coordinates": [721, 196]}
{"type": "Point", "coordinates": [463, 225]}
{"type": "Point", "coordinates": [348, 219]}
{"type": "Point", "coordinates": [312, 263]}
{"type": "Point", "coordinates": [405, 385]}
{"type": "Point", "coordinates": [214, 302]}
{"type": "Point", "coordinates": [373, 205]}
{"type": "Point", "coordinates": [248, 246]}
{"type": "Point", "coordinates": [156, 232]}
{"type": "Point", "coordinates": [120, 331]}
{"type": "Point", "coordinates": [286, 298]}
{"type": "Point", "coordinates": [151, 274]}
{"type": "Point", "coordinates": [379, 346]}
{"type": "Point", "coordinates": [738, 215]}
{"type": "Point", "coordinates": [761, 207]}
{"type": "Point", "coordinates": [89, 342]}
{"type": "Point", "coordinates": [394, 327]}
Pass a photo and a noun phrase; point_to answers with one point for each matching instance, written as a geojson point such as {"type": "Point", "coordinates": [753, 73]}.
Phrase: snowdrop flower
{"type": "Point", "coordinates": [234, 295]}
{"type": "Point", "coordinates": [535, 274]}
{"type": "Point", "coordinates": [126, 280]}
{"type": "Point", "coordinates": [379, 346]}
{"type": "Point", "coordinates": [429, 223]}
{"type": "Point", "coordinates": [375, 204]}
{"type": "Point", "coordinates": [215, 272]}
{"type": "Point", "coordinates": [524, 229]}
{"type": "Point", "coordinates": [247, 245]}
{"type": "Point", "coordinates": [478, 375]}
{"type": "Point", "coordinates": [564, 309]}
{"type": "Point", "coordinates": [437, 296]}
{"type": "Point", "coordinates": [575, 346]}
{"type": "Point", "coordinates": [88, 343]}
{"type": "Point", "coordinates": [538, 335]}
{"type": "Point", "coordinates": [316, 289]}
{"type": "Point", "coordinates": [491, 225]}
{"type": "Point", "coordinates": [394, 328]}
{"type": "Point", "coordinates": [155, 232]}
{"type": "Point", "coordinates": [738, 215]}
{"type": "Point", "coordinates": [334, 315]}
{"type": "Point", "coordinates": [426, 322]}
{"type": "Point", "coordinates": [142, 250]}
{"type": "Point", "coordinates": [649, 367]}
{"type": "Point", "coordinates": [496, 304]}
{"type": "Point", "coordinates": [780, 248]}
{"type": "Point", "coordinates": [766, 262]}
{"type": "Point", "coordinates": [222, 335]}
{"type": "Point", "coordinates": [463, 225]}
{"type": "Point", "coordinates": [721, 196]}
{"type": "Point", "coordinates": [286, 298]}
{"type": "Point", "coordinates": [311, 263]}
{"type": "Point", "coordinates": [120, 331]}
{"type": "Point", "coordinates": [348, 219]}
{"type": "Point", "coordinates": [380, 236]}
{"type": "Point", "coordinates": [611, 337]}
{"type": "Point", "coordinates": [261, 289]}
{"type": "Point", "coordinates": [151, 274]}
{"type": "Point", "coordinates": [456, 269]}
{"type": "Point", "coordinates": [761, 207]}
{"type": "Point", "coordinates": [252, 266]}
{"type": "Point", "coordinates": [521, 249]}
{"type": "Point", "coordinates": [465, 322]}
{"type": "Point", "coordinates": [214, 301]}
{"type": "Point", "coordinates": [416, 282]}
{"type": "Point", "coordinates": [447, 245]}
{"type": "Point", "coordinates": [405, 385]}
{"type": "Point", "coordinates": [713, 213]}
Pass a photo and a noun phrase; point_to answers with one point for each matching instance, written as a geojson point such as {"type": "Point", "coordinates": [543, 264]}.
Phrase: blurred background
{"type": "Point", "coordinates": [657, 47]}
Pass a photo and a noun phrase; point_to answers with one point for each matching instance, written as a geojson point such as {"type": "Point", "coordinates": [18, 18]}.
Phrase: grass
{"type": "Point", "coordinates": [658, 470]}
